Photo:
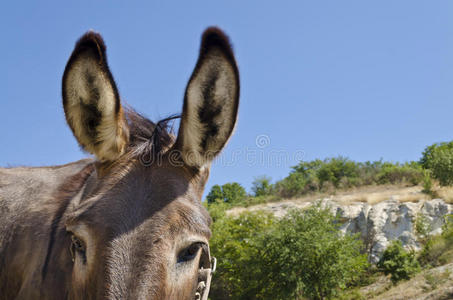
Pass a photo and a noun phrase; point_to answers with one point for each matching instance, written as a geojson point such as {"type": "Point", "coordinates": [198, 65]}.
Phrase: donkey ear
{"type": "Point", "coordinates": [91, 101]}
{"type": "Point", "coordinates": [211, 101]}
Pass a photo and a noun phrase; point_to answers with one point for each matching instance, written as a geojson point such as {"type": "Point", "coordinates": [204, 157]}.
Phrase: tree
{"type": "Point", "coordinates": [233, 192]}
{"type": "Point", "coordinates": [293, 185]}
{"type": "Point", "coordinates": [307, 255]}
{"type": "Point", "coordinates": [215, 194]}
{"type": "Point", "coordinates": [229, 193]}
{"type": "Point", "coordinates": [439, 159]}
{"type": "Point", "coordinates": [399, 263]}
{"type": "Point", "coordinates": [262, 186]}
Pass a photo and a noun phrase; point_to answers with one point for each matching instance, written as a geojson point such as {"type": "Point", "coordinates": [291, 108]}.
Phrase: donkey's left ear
{"type": "Point", "coordinates": [211, 101]}
{"type": "Point", "coordinates": [91, 101]}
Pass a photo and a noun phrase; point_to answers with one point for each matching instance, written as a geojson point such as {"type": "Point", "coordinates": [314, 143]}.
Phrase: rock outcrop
{"type": "Point", "coordinates": [378, 223]}
{"type": "Point", "coordinates": [383, 222]}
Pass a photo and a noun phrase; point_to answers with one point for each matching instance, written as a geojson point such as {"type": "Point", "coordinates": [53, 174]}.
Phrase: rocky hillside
{"type": "Point", "coordinates": [378, 214]}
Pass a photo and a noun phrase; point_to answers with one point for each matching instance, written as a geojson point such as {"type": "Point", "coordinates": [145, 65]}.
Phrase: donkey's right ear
{"type": "Point", "coordinates": [91, 101]}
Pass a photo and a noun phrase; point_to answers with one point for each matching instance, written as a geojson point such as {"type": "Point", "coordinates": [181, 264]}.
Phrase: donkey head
{"type": "Point", "coordinates": [137, 228]}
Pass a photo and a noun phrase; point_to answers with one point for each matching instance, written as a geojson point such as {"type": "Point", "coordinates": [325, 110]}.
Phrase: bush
{"type": "Point", "coordinates": [307, 255]}
{"type": "Point", "coordinates": [400, 173]}
{"type": "Point", "coordinates": [399, 263]}
{"type": "Point", "coordinates": [439, 159]}
{"type": "Point", "coordinates": [427, 183]}
{"type": "Point", "coordinates": [434, 280]}
{"type": "Point", "coordinates": [262, 186]}
{"type": "Point", "coordinates": [231, 193]}
{"type": "Point", "coordinates": [217, 210]}
{"type": "Point", "coordinates": [291, 186]}
{"type": "Point", "coordinates": [301, 255]}
{"type": "Point", "coordinates": [336, 170]}
{"type": "Point", "coordinates": [333, 170]}
{"type": "Point", "coordinates": [438, 249]}
{"type": "Point", "coordinates": [234, 243]}
{"type": "Point", "coordinates": [422, 227]}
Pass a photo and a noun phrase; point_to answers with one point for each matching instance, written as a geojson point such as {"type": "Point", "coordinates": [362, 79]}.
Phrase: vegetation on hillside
{"type": "Point", "coordinates": [438, 158]}
{"type": "Point", "coordinates": [398, 263]}
{"type": "Point", "coordinates": [303, 255]}
{"type": "Point", "coordinates": [340, 173]}
{"type": "Point", "coordinates": [438, 249]}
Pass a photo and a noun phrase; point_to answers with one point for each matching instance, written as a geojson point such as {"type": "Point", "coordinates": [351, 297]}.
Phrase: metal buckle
{"type": "Point", "coordinates": [213, 264]}
{"type": "Point", "coordinates": [205, 283]}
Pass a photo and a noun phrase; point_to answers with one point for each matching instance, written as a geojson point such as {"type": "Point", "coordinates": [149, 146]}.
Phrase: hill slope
{"type": "Point", "coordinates": [435, 283]}
{"type": "Point", "coordinates": [379, 214]}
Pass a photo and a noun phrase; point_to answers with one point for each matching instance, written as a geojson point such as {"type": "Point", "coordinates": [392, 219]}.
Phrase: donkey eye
{"type": "Point", "coordinates": [190, 252]}
{"type": "Point", "coordinates": [77, 248]}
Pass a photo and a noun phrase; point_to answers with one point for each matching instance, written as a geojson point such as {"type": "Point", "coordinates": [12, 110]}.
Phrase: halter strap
{"type": "Point", "coordinates": [204, 280]}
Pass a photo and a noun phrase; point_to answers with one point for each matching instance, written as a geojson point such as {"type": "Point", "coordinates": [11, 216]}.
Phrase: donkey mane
{"type": "Point", "coordinates": [146, 137]}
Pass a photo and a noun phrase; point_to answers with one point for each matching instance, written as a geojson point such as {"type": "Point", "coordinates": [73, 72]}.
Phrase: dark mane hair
{"type": "Point", "coordinates": [146, 137]}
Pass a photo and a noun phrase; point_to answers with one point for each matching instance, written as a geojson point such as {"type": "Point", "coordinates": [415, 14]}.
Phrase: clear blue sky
{"type": "Point", "coordinates": [363, 79]}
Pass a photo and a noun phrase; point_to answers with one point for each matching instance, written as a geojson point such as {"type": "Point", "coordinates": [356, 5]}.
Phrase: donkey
{"type": "Point", "coordinates": [128, 223]}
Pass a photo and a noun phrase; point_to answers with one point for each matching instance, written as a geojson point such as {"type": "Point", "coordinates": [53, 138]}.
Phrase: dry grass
{"type": "Point", "coordinates": [413, 197]}
{"type": "Point", "coordinates": [368, 194]}
{"type": "Point", "coordinates": [430, 284]}
{"type": "Point", "coordinates": [377, 194]}
{"type": "Point", "coordinates": [445, 193]}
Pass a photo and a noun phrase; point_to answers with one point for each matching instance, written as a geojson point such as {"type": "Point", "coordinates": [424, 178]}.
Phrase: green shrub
{"type": "Point", "coordinates": [427, 183]}
{"type": "Point", "coordinates": [439, 159]}
{"type": "Point", "coordinates": [400, 173]}
{"type": "Point", "coordinates": [399, 263]}
{"type": "Point", "coordinates": [336, 170]}
{"type": "Point", "coordinates": [351, 295]}
{"type": "Point", "coordinates": [422, 227]}
{"type": "Point", "coordinates": [293, 185]}
{"type": "Point", "coordinates": [301, 255]}
{"type": "Point", "coordinates": [435, 279]}
{"type": "Point", "coordinates": [438, 249]}
{"type": "Point", "coordinates": [217, 210]}
{"type": "Point", "coordinates": [262, 186]}
{"type": "Point", "coordinates": [233, 192]}
{"type": "Point", "coordinates": [307, 255]}
{"type": "Point", "coordinates": [235, 244]}
{"type": "Point", "coordinates": [447, 227]}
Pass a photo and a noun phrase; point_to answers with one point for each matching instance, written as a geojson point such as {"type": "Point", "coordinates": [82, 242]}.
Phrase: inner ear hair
{"type": "Point", "coordinates": [91, 101]}
{"type": "Point", "coordinates": [211, 101]}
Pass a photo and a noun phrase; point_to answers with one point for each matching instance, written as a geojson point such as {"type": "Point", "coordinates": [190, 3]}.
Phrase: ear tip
{"type": "Point", "coordinates": [215, 37]}
{"type": "Point", "coordinates": [91, 40]}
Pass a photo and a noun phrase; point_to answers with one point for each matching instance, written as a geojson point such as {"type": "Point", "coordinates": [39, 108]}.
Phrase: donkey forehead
{"type": "Point", "coordinates": [152, 202]}
{"type": "Point", "coordinates": [174, 218]}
